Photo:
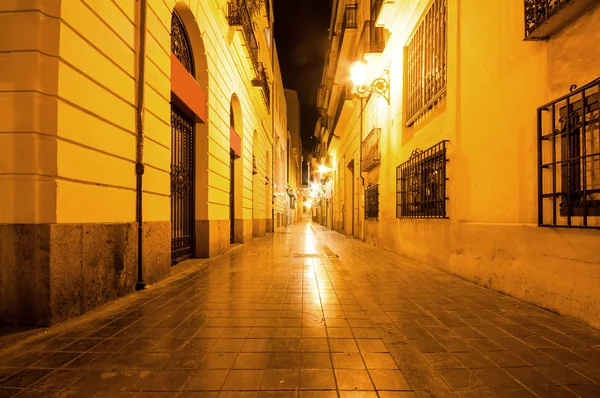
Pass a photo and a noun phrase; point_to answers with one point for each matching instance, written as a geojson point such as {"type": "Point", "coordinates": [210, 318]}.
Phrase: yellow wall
{"type": "Point", "coordinates": [77, 79]}
{"type": "Point", "coordinates": [489, 118]}
{"type": "Point", "coordinates": [28, 103]}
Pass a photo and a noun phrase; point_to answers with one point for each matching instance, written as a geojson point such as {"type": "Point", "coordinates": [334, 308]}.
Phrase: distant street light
{"type": "Point", "coordinates": [324, 169]}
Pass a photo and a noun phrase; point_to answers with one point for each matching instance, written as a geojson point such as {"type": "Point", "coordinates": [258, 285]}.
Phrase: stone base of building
{"type": "Point", "coordinates": [551, 268]}
{"type": "Point", "coordinates": [259, 227]}
{"type": "Point", "coordinates": [53, 272]}
{"type": "Point", "coordinates": [212, 237]}
{"type": "Point", "coordinates": [243, 231]}
{"type": "Point", "coordinates": [269, 225]}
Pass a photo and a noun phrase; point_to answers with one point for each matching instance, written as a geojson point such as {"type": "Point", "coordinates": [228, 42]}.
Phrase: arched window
{"type": "Point", "coordinates": [180, 44]}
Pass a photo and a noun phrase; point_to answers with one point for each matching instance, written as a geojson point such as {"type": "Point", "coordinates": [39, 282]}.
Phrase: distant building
{"type": "Point", "coordinates": [194, 153]}
{"type": "Point", "coordinates": [472, 143]}
{"type": "Point", "coordinates": [294, 148]}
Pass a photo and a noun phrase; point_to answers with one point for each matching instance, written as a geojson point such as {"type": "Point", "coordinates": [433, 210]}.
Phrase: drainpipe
{"type": "Point", "coordinates": [360, 173]}
{"type": "Point", "coordinates": [273, 114]}
{"type": "Point", "coordinates": [139, 165]}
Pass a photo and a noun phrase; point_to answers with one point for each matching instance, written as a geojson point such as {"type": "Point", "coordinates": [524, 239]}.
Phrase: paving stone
{"type": "Point", "coordinates": [272, 324]}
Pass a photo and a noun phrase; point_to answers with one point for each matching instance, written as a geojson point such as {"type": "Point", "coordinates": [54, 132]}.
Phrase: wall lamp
{"type": "Point", "coordinates": [381, 85]}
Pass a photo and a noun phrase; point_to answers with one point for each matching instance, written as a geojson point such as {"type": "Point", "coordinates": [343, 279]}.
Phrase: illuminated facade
{"type": "Point", "coordinates": [150, 127]}
{"type": "Point", "coordinates": [467, 147]}
{"type": "Point", "coordinates": [294, 153]}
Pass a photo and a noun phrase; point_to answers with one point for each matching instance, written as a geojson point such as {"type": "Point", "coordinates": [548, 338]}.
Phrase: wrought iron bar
{"type": "Point", "coordinates": [350, 16]}
{"type": "Point", "coordinates": [371, 156]}
{"type": "Point", "coordinates": [538, 12]}
{"type": "Point", "coordinates": [426, 63]}
{"type": "Point", "coordinates": [375, 9]}
{"type": "Point", "coordinates": [263, 82]}
{"type": "Point", "coordinates": [239, 15]}
{"type": "Point", "coordinates": [371, 39]}
{"type": "Point", "coordinates": [182, 186]}
{"type": "Point", "coordinates": [254, 165]}
{"type": "Point", "coordinates": [569, 159]}
{"type": "Point", "coordinates": [372, 201]}
{"type": "Point", "coordinates": [421, 184]}
{"type": "Point", "coordinates": [180, 44]}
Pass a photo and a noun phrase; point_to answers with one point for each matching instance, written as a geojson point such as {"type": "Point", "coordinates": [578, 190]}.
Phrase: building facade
{"type": "Point", "coordinates": [133, 135]}
{"type": "Point", "coordinates": [472, 143]}
{"type": "Point", "coordinates": [294, 162]}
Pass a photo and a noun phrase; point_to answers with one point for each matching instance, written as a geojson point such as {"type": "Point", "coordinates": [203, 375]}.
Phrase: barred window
{"type": "Point", "coordinates": [421, 184]}
{"type": "Point", "coordinates": [569, 159]}
{"type": "Point", "coordinates": [372, 201]}
{"type": "Point", "coordinates": [426, 63]}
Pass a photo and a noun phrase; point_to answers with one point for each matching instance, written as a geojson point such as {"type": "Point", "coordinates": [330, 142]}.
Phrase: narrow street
{"type": "Point", "coordinates": [309, 313]}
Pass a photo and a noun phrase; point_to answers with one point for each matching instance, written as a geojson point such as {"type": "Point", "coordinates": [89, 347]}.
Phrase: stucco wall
{"type": "Point", "coordinates": [68, 145]}
{"type": "Point", "coordinates": [489, 117]}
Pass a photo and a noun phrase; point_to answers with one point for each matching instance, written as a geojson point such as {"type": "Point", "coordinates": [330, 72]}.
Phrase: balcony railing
{"type": "Point", "coordinates": [263, 82]}
{"type": "Point", "coordinates": [542, 17]}
{"type": "Point", "coordinates": [376, 9]}
{"type": "Point", "coordinates": [569, 159]}
{"type": "Point", "coordinates": [371, 156]}
{"type": "Point", "coordinates": [372, 39]}
{"type": "Point", "coordinates": [238, 16]}
{"type": "Point", "coordinates": [350, 16]}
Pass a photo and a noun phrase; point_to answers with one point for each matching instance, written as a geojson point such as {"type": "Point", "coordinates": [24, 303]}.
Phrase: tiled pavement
{"type": "Point", "coordinates": [299, 314]}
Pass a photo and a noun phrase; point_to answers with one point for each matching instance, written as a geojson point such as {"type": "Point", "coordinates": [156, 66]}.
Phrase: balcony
{"type": "Point", "coordinates": [381, 11]}
{"type": "Point", "coordinates": [238, 16]}
{"type": "Point", "coordinates": [372, 40]}
{"type": "Point", "coordinates": [544, 17]}
{"type": "Point", "coordinates": [371, 156]}
{"type": "Point", "coordinates": [261, 81]}
{"type": "Point", "coordinates": [350, 16]}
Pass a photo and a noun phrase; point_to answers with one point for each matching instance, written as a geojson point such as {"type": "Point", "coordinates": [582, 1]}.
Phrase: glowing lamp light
{"type": "Point", "coordinates": [324, 169]}
{"type": "Point", "coordinates": [358, 72]}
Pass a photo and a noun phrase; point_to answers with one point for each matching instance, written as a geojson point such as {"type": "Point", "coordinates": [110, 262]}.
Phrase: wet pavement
{"type": "Point", "coordinates": [309, 313]}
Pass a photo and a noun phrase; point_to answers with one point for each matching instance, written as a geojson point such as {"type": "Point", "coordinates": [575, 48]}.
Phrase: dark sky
{"type": "Point", "coordinates": [301, 32]}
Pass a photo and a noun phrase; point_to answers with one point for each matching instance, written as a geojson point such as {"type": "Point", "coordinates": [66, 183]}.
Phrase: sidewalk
{"type": "Point", "coordinates": [309, 313]}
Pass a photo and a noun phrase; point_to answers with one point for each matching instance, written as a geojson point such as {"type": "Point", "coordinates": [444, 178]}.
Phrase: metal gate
{"type": "Point", "coordinates": [232, 199]}
{"type": "Point", "coordinates": [182, 186]}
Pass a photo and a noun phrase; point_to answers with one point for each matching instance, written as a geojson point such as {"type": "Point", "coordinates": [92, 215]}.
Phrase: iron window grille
{"type": "Point", "coordinates": [371, 156]}
{"type": "Point", "coordinates": [238, 15]}
{"type": "Point", "coordinates": [426, 63]}
{"type": "Point", "coordinates": [372, 202]}
{"type": "Point", "coordinates": [421, 184]}
{"type": "Point", "coordinates": [180, 44]}
{"type": "Point", "coordinates": [263, 82]}
{"type": "Point", "coordinates": [569, 159]}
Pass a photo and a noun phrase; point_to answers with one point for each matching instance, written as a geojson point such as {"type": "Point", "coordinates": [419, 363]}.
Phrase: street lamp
{"type": "Point", "coordinates": [324, 169]}
{"type": "Point", "coordinates": [381, 85]}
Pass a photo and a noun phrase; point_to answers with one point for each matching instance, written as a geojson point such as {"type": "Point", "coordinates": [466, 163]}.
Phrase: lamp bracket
{"type": "Point", "coordinates": [380, 86]}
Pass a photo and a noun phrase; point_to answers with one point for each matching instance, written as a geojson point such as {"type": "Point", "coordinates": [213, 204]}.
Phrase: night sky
{"type": "Point", "coordinates": [301, 32]}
